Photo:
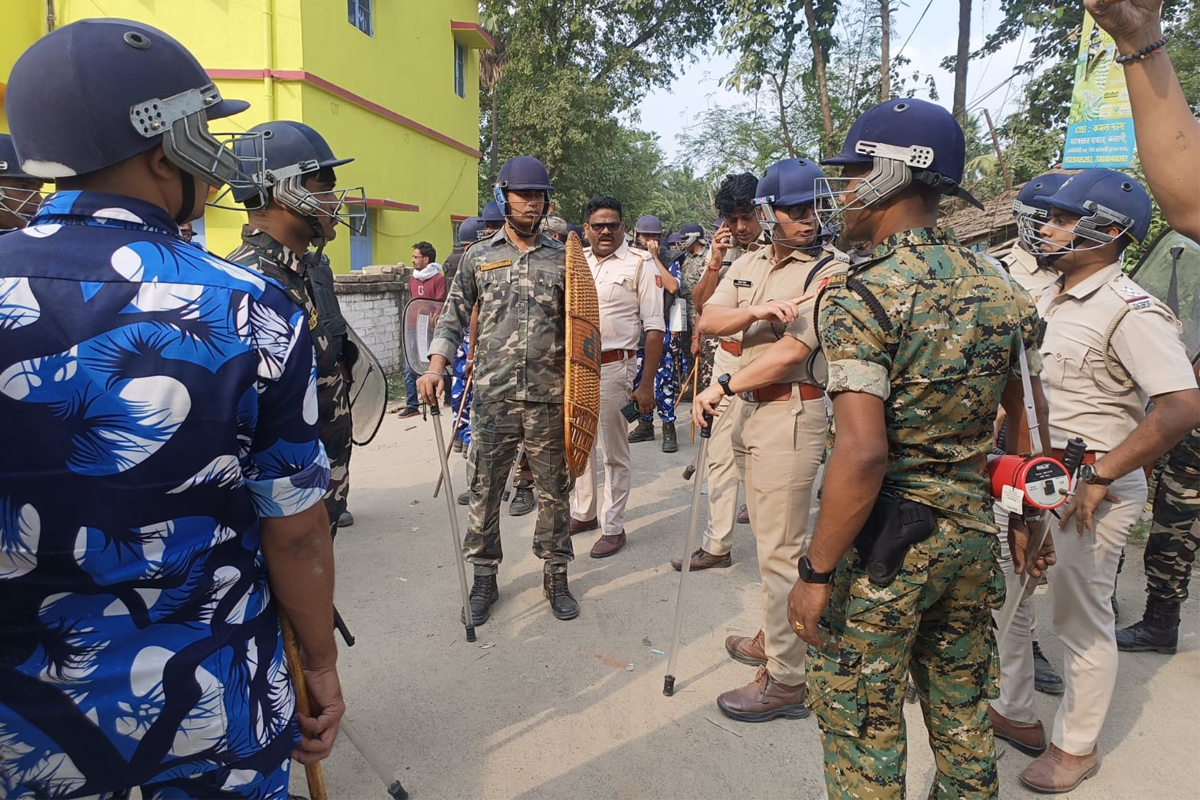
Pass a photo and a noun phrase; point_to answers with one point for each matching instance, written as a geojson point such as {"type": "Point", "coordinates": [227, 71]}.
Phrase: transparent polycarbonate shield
{"type": "Point", "coordinates": [368, 392]}
{"type": "Point", "coordinates": [420, 318]}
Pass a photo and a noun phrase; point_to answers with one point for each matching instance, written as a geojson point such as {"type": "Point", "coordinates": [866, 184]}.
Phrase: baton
{"type": "Point", "coordinates": [468, 620]}
{"type": "Point", "coordinates": [695, 376]}
{"type": "Point", "coordinates": [462, 405]}
{"type": "Point", "coordinates": [686, 566]}
{"type": "Point", "coordinates": [512, 472]}
{"type": "Point", "coordinates": [371, 756]}
{"type": "Point", "coordinates": [291, 649]}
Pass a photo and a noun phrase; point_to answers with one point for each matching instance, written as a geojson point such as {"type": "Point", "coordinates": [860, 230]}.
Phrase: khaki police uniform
{"type": "Point", "coordinates": [630, 303]}
{"type": "Point", "coordinates": [722, 468]}
{"type": "Point", "coordinates": [778, 434]}
{"type": "Point", "coordinates": [1102, 405]}
{"type": "Point", "coordinates": [1022, 265]}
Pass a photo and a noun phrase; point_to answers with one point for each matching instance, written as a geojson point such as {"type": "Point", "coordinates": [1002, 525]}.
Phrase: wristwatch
{"type": "Point", "coordinates": [1088, 474]}
{"type": "Point", "coordinates": [809, 575]}
{"type": "Point", "coordinates": [723, 382]}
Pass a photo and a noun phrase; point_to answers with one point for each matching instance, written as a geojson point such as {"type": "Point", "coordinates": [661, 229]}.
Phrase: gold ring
{"type": "Point", "coordinates": [798, 625]}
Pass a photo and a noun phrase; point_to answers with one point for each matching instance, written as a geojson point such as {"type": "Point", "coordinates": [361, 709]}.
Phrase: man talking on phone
{"type": "Point", "coordinates": [630, 302]}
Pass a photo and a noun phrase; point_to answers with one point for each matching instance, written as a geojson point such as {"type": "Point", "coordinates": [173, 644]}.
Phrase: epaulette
{"type": "Point", "coordinates": [1135, 297]}
{"type": "Point", "coordinates": [859, 288]}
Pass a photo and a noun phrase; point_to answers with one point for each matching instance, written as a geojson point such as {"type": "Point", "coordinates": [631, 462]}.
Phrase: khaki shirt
{"type": "Point", "coordinates": [757, 278]}
{"type": "Point", "coordinates": [1022, 265]}
{"type": "Point", "coordinates": [1085, 400]}
{"type": "Point", "coordinates": [631, 299]}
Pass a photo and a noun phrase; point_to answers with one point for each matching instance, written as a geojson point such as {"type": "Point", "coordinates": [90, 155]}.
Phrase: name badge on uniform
{"type": "Point", "coordinates": [495, 265]}
{"type": "Point", "coordinates": [743, 284]}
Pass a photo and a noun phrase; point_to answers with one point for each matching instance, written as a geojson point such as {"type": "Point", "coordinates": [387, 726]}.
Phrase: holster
{"type": "Point", "coordinates": [893, 527]}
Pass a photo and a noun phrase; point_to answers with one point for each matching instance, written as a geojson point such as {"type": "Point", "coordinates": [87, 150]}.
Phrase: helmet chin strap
{"type": "Point", "coordinates": [189, 198]}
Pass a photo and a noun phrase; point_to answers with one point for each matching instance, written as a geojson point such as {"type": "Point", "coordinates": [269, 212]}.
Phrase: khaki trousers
{"type": "Point", "coordinates": [778, 447]}
{"type": "Point", "coordinates": [1016, 701]}
{"type": "Point", "coordinates": [612, 444]}
{"type": "Point", "coordinates": [1081, 586]}
{"type": "Point", "coordinates": [722, 469]}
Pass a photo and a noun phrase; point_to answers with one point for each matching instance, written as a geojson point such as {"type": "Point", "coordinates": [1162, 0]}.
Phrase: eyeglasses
{"type": "Point", "coordinates": [601, 227]}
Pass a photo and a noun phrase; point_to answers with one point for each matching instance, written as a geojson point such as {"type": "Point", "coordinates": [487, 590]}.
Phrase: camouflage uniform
{"type": "Point", "coordinates": [690, 272]}
{"type": "Point", "coordinates": [939, 354]}
{"type": "Point", "coordinates": [261, 252]}
{"type": "Point", "coordinates": [1175, 535]}
{"type": "Point", "coordinates": [518, 388]}
{"type": "Point", "coordinates": [671, 369]}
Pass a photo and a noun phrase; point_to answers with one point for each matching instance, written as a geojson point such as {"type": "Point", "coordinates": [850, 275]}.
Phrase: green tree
{"type": "Point", "coordinates": [570, 68]}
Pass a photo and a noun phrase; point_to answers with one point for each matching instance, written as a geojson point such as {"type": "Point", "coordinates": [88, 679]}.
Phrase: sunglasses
{"type": "Point", "coordinates": [601, 227]}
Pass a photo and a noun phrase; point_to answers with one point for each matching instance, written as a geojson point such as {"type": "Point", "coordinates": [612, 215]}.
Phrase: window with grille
{"type": "Point", "coordinates": [460, 70]}
{"type": "Point", "coordinates": [360, 15]}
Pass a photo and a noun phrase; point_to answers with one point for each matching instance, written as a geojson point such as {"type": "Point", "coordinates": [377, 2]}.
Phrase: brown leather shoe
{"type": "Point", "coordinates": [583, 525]}
{"type": "Point", "coordinates": [607, 546]}
{"type": "Point", "coordinates": [1028, 737]}
{"type": "Point", "coordinates": [1055, 772]}
{"type": "Point", "coordinates": [748, 649]}
{"type": "Point", "coordinates": [764, 699]}
{"type": "Point", "coordinates": [702, 559]}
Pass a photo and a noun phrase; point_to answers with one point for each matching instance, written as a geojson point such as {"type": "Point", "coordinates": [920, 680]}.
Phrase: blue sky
{"type": "Point", "coordinates": [668, 112]}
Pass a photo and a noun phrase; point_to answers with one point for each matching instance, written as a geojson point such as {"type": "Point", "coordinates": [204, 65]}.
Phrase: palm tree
{"type": "Point", "coordinates": [491, 72]}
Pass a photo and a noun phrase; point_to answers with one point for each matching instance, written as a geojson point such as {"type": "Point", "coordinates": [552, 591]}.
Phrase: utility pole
{"type": "Point", "coordinates": [885, 58]}
{"type": "Point", "coordinates": [960, 62]}
{"type": "Point", "coordinates": [996, 145]}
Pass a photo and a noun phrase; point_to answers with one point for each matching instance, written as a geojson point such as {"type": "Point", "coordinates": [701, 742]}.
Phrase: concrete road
{"type": "Point", "coordinates": [538, 708]}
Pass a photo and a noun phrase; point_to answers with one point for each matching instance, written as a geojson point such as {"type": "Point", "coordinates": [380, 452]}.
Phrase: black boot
{"type": "Point", "coordinates": [669, 443]}
{"type": "Point", "coordinates": [1157, 632]}
{"type": "Point", "coordinates": [523, 502]}
{"type": "Point", "coordinates": [644, 432]}
{"type": "Point", "coordinates": [562, 602]}
{"type": "Point", "coordinates": [483, 594]}
{"type": "Point", "coordinates": [1045, 679]}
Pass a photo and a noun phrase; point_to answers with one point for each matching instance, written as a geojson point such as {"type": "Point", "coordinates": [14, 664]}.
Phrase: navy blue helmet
{"type": "Point", "coordinates": [905, 140]}
{"type": "Point", "coordinates": [522, 174]}
{"type": "Point", "coordinates": [1031, 209]}
{"type": "Point", "coordinates": [1102, 199]}
{"type": "Point", "coordinates": [790, 183]}
{"type": "Point", "coordinates": [491, 214]}
{"type": "Point", "coordinates": [10, 165]}
{"type": "Point", "coordinates": [99, 91]}
{"type": "Point", "coordinates": [649, 225]}
{"type": "Point", "coordinates": [470, 230]}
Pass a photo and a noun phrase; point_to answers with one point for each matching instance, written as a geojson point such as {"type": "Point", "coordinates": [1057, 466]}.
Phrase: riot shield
{"type": "Point", "coordinates": [368, 392]}
{"type": "Point", "coordinates": [1170, 270]}
{"type": "Point", "coordinates": [420, 317]}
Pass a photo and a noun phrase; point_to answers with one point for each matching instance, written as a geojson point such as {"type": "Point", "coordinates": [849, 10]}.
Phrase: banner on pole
{"type": "Point", "coordinates": [1100, 125]}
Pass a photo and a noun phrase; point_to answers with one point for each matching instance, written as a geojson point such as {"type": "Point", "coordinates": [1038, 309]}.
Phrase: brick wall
{"type": "Point", "coordinates": [373, 305]}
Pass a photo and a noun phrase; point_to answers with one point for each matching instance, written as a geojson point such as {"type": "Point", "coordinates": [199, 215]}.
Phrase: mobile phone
{"type": "Point", "coordinates": [631, 412]}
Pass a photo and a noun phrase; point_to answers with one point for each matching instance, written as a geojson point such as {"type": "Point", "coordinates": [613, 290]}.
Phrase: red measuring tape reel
{"type": "Point", "coordinates": [1043, 481]}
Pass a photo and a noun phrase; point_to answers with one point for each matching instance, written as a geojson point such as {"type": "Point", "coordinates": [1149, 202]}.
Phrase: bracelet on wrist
{"type": "Point", "coordinates": [1145, 52]}
{"type": "Point", "coordinates": [431, 372]}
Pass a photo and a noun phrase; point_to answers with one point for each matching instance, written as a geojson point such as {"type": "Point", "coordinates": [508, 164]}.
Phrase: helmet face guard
{"type": "Point", "coordinates": [337, 205]}
{"type": "Point", "coordinates": [188, 144]}
{"type": "Point", "coordinates": [1029, 220]}
{"type": "Point", "coordinates": [891, 171]}
{"type": "Point", "coordinates": [1088, 234]}
{"type": "Point", "coordinates": [770, 221]}
{"type": "Point", "coordinates": [19, 202]}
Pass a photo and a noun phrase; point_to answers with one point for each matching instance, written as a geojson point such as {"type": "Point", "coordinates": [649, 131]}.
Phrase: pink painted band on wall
{"type": "Point", "coordinates": [304, 76]}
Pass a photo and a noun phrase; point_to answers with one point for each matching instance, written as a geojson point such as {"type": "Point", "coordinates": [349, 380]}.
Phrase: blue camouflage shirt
{"type": "Point", "coordinates": [156, 402]}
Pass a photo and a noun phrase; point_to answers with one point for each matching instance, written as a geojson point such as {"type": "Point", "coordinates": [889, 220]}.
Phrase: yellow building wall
{"type": "Point", "coordinates": [407, 67]}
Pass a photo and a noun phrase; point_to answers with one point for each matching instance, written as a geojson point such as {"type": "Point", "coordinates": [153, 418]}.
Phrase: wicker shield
{"type": "Point", "coordinates": [582, 390]}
